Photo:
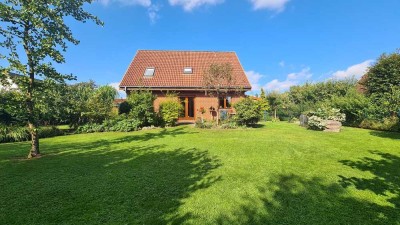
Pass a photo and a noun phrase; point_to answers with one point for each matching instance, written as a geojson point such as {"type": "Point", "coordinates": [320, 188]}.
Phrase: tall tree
{"type": "Point", "coordinates": [218, 80]}
{"type": "Point", "coordinates": [275, 101]}
{"type": "Point", "coordinates": [384, 74]}
{"type": "Point", "coordinates": [37, 27]}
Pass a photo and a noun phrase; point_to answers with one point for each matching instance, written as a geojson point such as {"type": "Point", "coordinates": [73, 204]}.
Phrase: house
{"type": "Point", "coordinates": [182, 72]}
{"type": "Point", "coordinates": [10, 84]}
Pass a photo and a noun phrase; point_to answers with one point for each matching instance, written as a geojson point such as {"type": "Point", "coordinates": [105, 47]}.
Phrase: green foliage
{"type": "Point", "coordinates": [119, 123]}
{"type": "Point", "coordinates": [205, 124]}
{"type": "Point", "coordinates": [387, 124]}
{"type": "Point", "coordinates": [316, 123]}
{"type": "Point", "coordinates": [37, 28]}
{"type": "Point", "coordinates": [384, 74]}
{"type": "Point", "coordinates": [19, 133]}
{"type": "Point", "coordinates": [124, 108]}
{"type": "Point", "coordinates": [100, 104]}
{"type": "Point", "coordinates": [52, 131]}
{"type": "Point", "coordinates": [317, 119]}
{"type": "Point", "coordinates": [170, 110]}
{"type": "Point", "coordinates": [354, 105]}
{"type": "Point", "coordinates": [388, 102]}
{"type": "Point", "coordinates": [229, 124]}
{"type": "Point", "coordinates": [142, 108]}
{"type": "Point", "coordinates": [248, 112]}
{"type": "Point", "coordinates": [12, 111]}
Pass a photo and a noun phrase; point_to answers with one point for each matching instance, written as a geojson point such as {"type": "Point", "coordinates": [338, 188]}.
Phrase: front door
{"type": "Point", "coordinates": [188, 108]}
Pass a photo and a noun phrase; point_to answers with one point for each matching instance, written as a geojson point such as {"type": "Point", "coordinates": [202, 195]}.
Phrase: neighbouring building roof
{"type": "Point", "coordinates": [118, 101]}
{"type": "Point", "coordinates": [179, 69]}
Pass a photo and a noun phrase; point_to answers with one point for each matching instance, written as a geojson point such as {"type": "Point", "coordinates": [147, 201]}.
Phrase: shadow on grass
{"type": "Point", "coordinates": [164, 132]}
{"type": "Point", "coordinates": [101, 184]}
{"type": "Point", "coordinates": [258, 125]}
{"type": "Point", "coordinates": [386, 134]}
{"type": "Point", "coordinates": [292, 199]}
{"type": "Point", "coordinates": [386, 180]}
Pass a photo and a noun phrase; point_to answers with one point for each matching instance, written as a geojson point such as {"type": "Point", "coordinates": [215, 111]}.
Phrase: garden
{"type": "Point", "coordinates": [276, 173]}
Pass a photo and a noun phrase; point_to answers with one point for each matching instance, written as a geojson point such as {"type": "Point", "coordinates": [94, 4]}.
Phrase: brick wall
{"type": "Point", "coordinates": [201, 100]}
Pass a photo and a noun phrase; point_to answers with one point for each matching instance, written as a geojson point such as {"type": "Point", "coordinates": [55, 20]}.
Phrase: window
{"type": "Point", "coordinates": [225, 102]}
{"type": "Point", "coordinates": [149, 72]}
{"type": "Point", "coordinates": [187, 70]}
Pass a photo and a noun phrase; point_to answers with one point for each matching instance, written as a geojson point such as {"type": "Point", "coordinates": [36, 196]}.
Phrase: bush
{"type": "Point", "coordinates": [127, 125]}
{"type": "Point", "coordinates": [317, 119]}
{"type": "Point", "coordinates": [316, 123]}
{"type": "Point", "coordinates": [248, 112]}
{"type": "Point", "coordinates": [124, 108]}
{"type": "Point", "coordinates": [46, 132]}
{"type": "Point", "coordinates": [120, 124]}
{"type": "Point", "coordinates": [170, 110]}
{"type": "Point", "coordinates": [229, 124]}
{"type": "Point", "coordinates": [142, 109]}
{"type": "Point", "coordinates": [387, 124]}
{"type": "Point", "coordinates": [18, 133]}
{"type": "Point", "coordinates": [204, 124]}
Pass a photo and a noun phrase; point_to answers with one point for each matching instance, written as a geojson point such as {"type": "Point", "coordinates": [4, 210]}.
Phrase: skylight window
{"type": "Point", "coordinates": [149, 72]}
{"type": "Point", "coordinates": [187, 70]}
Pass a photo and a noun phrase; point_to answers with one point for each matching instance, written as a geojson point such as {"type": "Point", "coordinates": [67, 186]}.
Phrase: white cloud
{"type": "Point", "coordinates": [145, 3]}
{"type": "Point", "coordinates": [274, 5]}
{"type": "Point", "coordinates": [153, 12]}
{"type": "Point", "coordinates": [291, 80]}
{"type": "Point", "coordinates": [121, 93]}
{"type": "Point", "coordinates": [355, 71]}
{"type": "Point", "coordinates": [152, 9]}
{"type": "Point", "coordinates": [254, 79]}
{"type": "Point", "coordinates": [189, 5]}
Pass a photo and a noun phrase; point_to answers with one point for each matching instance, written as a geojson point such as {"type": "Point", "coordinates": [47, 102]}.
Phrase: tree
{"type": "Point", "coordinates": [38, 27]}
{"type": "Point", "coordinates": [78, 97]}
{"type": "Point", "coordinates": [100, 104]}
{"type": "Point", "coordinates": [275, 101]}
{"type": "Point", "coordinates": [142, 107]}
{"type": "Point", "coordinates": [248, 111]}
{"type": "Point", "coordinates": [217, 80]}
{"type": "Point", "coordinates": [383, 74]}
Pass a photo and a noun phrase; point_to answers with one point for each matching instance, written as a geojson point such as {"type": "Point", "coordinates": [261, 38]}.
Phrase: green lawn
{"type": "Point", "coordinates": [278, 173]}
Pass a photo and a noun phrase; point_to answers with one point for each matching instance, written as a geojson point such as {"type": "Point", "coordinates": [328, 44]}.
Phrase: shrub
{"type": "Point", "coordinates": [127, 125]}
{"type": "Point", "coordinates": [317, 119]}
{"type": "Point", "coordinates": [120, 123]}
{"type": "Point", "coordinates": [204, 124]}
{"type": "Point", "coordinates": [229, 124]}
{"type": "Point", "coordinates": [248, 112]}
{"type": "Point", "coordinates": [387, 124]}
{"type": "Point", "coordinates": [18, 133]}
{"type": "Point", "coordinates": [124, 108]}
{"type": "Point", "coordinates": [142, 109]}
{"type": "Point", "coordinates": [316, 123]}
{"type": "Point", "coordinates": [45, 132]}
{"type": "Point", "coordinates": [170, 110]}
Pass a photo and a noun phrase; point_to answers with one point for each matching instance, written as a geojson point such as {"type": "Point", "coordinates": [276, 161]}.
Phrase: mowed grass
{"type": "Point", "coordinates": [278, 173]}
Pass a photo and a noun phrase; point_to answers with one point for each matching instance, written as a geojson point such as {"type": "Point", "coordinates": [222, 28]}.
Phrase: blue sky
{"type": "Point", "coordinates": [279, 42]}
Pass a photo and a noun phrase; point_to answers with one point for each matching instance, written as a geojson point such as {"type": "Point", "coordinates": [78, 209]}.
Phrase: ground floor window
{"type": "Point", "coordinates": [188, 107]}
{"type": "Point", "coordinates": [225, 102]}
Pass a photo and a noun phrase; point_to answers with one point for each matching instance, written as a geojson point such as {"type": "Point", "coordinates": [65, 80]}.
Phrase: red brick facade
{"type": "Point", "coordinates": [209, 103]}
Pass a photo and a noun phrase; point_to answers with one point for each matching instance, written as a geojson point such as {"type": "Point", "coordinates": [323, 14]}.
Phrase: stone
{"type": "Point", "coordinates": [333, 126]}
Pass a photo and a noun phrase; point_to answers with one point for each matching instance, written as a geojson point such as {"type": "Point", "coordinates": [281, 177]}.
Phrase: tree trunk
{"type": "Point", "coordinates": [34, 152]}
{"type": "Point", "coordinates": [275, 114]}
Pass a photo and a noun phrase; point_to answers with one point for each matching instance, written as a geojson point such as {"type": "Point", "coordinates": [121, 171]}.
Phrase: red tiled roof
{"type": "Point", "coordinates": [169, 67]}
{"type": "Point", "coordinates": [119, 101]}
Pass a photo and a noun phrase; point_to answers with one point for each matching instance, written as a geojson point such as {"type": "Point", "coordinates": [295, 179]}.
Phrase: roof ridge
{"type": "Point", "coordinates": [158, 50]}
